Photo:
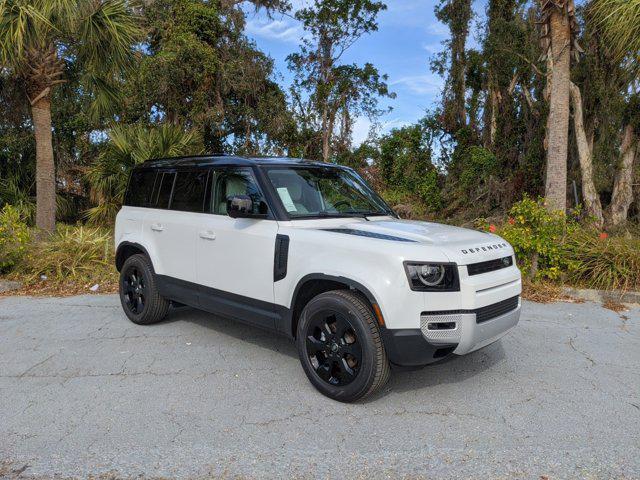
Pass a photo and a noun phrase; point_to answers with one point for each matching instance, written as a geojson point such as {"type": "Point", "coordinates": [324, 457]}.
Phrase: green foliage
{"type": "Point", "coordinates": [405, 164]}
{"type": "Point", "coordinates": [71, 253]}
{"type": "Point", "coordinates": [605, 262]}
{"type": "Point", "coordinates": [128, 146]}
{"type": "Point", "coordinates": [478, 166]}
{"type": "Point", "coordinates": [200, 70]}
{"type": "Point", "coordinates": [12, 193]}
{"type": "Point", "coordinates": [540, 239]}
{"type": "Point", "coordinates": [14, 237]}
{"type": "Point", "coordinates": [97, 36]}
{"type": "Point", "coordinates": [619, 23]}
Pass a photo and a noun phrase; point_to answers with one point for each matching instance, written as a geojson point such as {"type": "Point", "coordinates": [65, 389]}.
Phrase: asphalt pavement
{"type": "Point", "coordinates": [85, 392]}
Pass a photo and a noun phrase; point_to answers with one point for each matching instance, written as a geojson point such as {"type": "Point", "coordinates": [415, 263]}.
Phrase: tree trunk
{"type": "Point", "coordinates": [326, 136]}
{"type": "Point", "coordinates": [558, 119]}
{"type": "Point", "coordinates": [623, 182]}
{"type": "Point", "coordinates": [45, 166]}
{"type": "Point", "coordinates": [589, 193]}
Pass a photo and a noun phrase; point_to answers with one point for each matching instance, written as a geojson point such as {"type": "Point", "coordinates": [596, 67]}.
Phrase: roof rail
{"type": "Point", "coordinates": [180, 157]}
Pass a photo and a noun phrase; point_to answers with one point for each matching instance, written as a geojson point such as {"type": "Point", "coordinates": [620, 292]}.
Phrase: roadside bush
{"type": "Point", "coordinates": [555, 246]}
{"type": "Point", "coordinates": [76, 253]}
{"type": "Point", "coordinates": [540, 239]}
{"type": "Point", "coordinates": [14, 237]}
{"type": "Point", "coordinates": [605, 262]}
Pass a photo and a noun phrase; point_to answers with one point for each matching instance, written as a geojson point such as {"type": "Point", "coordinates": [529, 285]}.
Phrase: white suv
{"type": "Point", "coordinates": [310, 251]}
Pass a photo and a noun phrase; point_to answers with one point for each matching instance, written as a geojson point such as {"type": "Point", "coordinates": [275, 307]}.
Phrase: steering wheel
{"type": "Point", "coordinates": [342, 202]}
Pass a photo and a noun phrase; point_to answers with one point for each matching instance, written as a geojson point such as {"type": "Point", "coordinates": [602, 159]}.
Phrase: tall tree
{"type": "Point", "coordinates": [200, 70]}
{"type": "Point", "coordinates": [333, 26]}
{"type": "Point", "coordinates": [38, 41]}
{"type": "Point", "coordinates": [559, 27]}
{"type": "Point", "coordinates": [457, 15]}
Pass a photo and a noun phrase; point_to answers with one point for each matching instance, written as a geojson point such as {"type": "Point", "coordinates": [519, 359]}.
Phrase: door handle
{"type": "Point", "coordinates": [208, 235]}
{"type": "Point", "coordinates": [157, 227]}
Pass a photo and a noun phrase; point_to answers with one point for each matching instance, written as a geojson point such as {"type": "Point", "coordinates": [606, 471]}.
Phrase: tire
{"type": "Point", "coordinates": [139, 295]}
{"type": "Point", "coordinates": [340, 346]}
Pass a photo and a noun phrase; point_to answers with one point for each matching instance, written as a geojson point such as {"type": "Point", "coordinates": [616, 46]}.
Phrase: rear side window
{"type": "Point", "coordinates": [188, 194]}
{"type": "Point", "coordinates": [164, 186]}
{"type": "Point", "coordinates": [140, 188]}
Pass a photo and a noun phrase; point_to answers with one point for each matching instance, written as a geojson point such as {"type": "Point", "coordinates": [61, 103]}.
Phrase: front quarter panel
{"type": "Point", "coordinates": [375, 264]}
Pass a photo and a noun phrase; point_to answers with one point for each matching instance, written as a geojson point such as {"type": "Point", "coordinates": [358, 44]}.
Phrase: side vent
{"type": "Point", "coordinates": [281, 257]}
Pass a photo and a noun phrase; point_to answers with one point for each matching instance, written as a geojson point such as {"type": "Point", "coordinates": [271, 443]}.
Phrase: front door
{"type": "Point", "coordinates": [235, 256]}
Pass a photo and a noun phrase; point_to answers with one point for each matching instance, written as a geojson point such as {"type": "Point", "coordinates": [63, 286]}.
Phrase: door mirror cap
{"type": "Point", "coordinates": [241, 206]}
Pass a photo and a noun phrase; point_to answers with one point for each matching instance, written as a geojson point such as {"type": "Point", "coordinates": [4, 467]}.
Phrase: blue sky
{"type": "Point", "coordinates": [408, 36]}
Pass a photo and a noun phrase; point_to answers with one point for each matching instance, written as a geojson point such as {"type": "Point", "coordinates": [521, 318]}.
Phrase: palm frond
{"type": "Point", "coordinates": [619, 23]}
{"type": "Point", "coordinates": [128, 146]}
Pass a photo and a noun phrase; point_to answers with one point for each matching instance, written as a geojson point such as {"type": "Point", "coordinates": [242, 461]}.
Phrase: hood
{"type": "Point", "coordinates": [461, 245]}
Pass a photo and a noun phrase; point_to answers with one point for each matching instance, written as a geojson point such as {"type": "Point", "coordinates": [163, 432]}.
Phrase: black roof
{"type": "Point", "coordinates": [226, 160]}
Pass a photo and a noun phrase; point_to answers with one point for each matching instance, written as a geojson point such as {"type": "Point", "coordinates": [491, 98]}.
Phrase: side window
{"type": "Point", "coordinates": [164, 185]}
{"type": "Point", "coordinates": [188, 194]}
{"type": "Point", "coordinates": [140, 188]}
{"type": "Point", "coordinates": [235, 181]}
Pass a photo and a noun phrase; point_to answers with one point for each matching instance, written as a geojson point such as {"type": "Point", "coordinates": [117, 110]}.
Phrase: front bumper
{"type": "Point", "coordinates": [458, 333]}
{"type": "Point", "coordinates": [471, 330]}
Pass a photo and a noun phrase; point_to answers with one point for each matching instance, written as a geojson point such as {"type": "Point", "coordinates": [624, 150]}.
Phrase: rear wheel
{"type": "Point", "coordinates": [340, 347]}
{"type": "Point", "coordinates": [139, 295]}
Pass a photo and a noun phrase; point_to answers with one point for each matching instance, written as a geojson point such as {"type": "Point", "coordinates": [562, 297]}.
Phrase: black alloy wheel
{"type": "Point", "coordinates": [333, 348]}
{"type": "Point", "coordinates": [133, 287]}
{"type": "Point", "coordinates": [340, 346]}
{"type": "Point", "coordinates": [139, 296]}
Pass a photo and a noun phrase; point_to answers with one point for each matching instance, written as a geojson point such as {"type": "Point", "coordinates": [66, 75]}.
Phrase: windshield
{"type": "Point", "coordinates": [322, 191]}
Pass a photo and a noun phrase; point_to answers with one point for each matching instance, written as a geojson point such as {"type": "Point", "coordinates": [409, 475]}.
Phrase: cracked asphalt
{"type": "Point", "coordinates": [85, 392]}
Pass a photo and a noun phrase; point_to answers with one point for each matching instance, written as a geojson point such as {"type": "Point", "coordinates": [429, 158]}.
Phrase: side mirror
{"type": "Point", "coordinates": [241, 206]}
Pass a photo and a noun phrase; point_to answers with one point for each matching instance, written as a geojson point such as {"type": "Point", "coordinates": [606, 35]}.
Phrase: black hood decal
{"type": "Point", "coordinates": [363, 233]}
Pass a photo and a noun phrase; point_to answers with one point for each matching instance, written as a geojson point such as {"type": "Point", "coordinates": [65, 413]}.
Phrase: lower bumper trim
{"type": "Point", "coordinates": [408, 348]}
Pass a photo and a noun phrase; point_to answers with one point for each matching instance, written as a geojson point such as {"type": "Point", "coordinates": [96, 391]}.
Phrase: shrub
{"type": "Point", "coordinates": [71, 253]}
{"type": "Point", "coordinates": [14, 237]}
{"type": "Point", "coordinates": [605, 262]}
{"type": "Point", "coordinates": [540, 239]}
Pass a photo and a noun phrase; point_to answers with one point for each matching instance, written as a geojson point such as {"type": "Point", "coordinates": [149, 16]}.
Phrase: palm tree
{"type": "Point", "coordinates": [559, 28]}
{"type": "Point", "coordinates": [38, 39]}
{"type": "Point", "coordinates": [619, 23]}
{"type": "Point", "coordinates": [128, 146]}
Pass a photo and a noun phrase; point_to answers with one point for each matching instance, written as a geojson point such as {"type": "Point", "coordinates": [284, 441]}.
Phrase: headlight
{"type": "Point", "coordinates": [433, 277]}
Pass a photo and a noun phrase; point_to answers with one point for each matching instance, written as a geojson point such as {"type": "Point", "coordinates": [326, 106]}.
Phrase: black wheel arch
{"type": "Point", "coordinates": [314, 284]}
{"type": "Point", "coordinates": [126, 250]}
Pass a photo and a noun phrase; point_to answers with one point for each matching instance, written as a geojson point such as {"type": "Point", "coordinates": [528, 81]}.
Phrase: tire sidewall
{"type": "Point", "coordinates": [361, 384]}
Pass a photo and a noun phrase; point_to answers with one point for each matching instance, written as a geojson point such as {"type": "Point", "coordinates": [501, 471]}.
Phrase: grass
{"type": "Point", "coordinates": [70, 261]}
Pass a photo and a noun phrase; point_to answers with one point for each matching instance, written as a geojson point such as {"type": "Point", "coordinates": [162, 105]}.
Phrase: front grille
{"type": "Point", "coordinates": [483, 314]}
{"type": "Point", "coordinates": [492, 311]}
{"type": "Point", "coordinates": [489, 266]}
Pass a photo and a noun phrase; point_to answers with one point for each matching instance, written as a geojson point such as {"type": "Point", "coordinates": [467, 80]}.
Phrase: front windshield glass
{"type": "Point", "coordinates": [325, 191]}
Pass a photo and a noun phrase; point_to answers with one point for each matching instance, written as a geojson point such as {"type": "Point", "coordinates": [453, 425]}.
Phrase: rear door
{"type": "Point", "coordinates": [236, 256]}
{"type": "Point", "coordinates": [170, 230]}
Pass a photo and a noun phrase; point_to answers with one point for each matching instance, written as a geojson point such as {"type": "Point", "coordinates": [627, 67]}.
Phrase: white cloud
{"type": "Point", "coordinates": [439, 29]}
{"type": "Point", "coordinates": [420, 84]}
{"type": "Point", "coordinates": [432, 47]}
{"type": "Point", "coordinates": [279, 30]}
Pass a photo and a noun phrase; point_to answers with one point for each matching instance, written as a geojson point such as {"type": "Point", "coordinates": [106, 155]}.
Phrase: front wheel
{"type": "Point", "coordinates": [340, 347]}
{"type": "Point", "coordinates": [139, 295]}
